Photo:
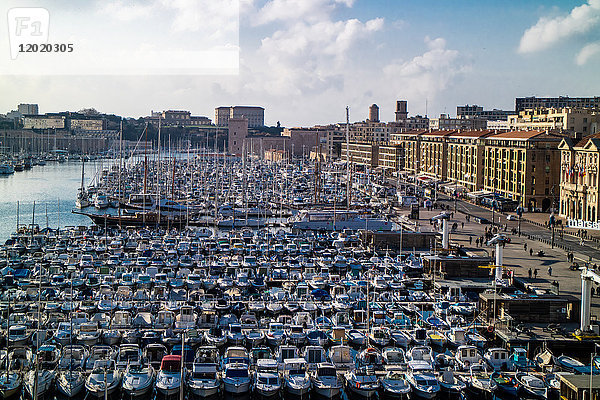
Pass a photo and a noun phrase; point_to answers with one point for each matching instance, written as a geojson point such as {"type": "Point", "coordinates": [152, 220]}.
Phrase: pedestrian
{"type": "Point", "coordinates": [525, 246]}
{"type": "Point", "coordinates": [530, 252]}
{"type": "Point", "coordinates": [529, 273]}
{"type": "Point", "coordinates": [477, 242]}
{"type": "Point", "coordinates": [535, 272]}
{"type": "Point", "coordinates": [550, 271]}
{"type": "Point", "coordinates": [462, 225]}
{"type": "Point", "coordinates": [470, 239]}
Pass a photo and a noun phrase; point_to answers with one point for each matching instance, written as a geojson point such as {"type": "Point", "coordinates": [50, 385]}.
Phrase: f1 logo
{"type": "Point", "coordinates": [27, 25]}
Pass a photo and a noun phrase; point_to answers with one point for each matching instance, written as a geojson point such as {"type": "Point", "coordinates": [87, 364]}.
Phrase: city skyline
{"type": "Point", "coordinates": [305, 61]}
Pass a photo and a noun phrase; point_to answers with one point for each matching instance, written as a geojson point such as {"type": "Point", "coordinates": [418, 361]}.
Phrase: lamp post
{"type": "Point", "coordinates": [519, 214]}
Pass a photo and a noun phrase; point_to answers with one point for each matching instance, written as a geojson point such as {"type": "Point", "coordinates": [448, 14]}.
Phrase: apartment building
{"type": "Point", "coordinates": [254, 115]}
{"type": "Point", "coordinates": [523, 166]}
{"type": "Point", "coordinates": [409, 143]}
{"type": "Point", "coordinates": [524, 103]}
{"type": "Point", "coordinates": [434, 154]}
{"type": "Point", "coordinates": [573, 120]}
{"type": "Point", "coordinates": [361, 153]}
{"type": "Point", "coordinates": [579, 186]}
{"type": "Point", "coordinates": [466, 158]}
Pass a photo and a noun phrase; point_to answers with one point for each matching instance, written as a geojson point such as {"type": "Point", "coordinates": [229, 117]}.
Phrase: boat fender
{"type": "Point", "coordinates": [490, 328]}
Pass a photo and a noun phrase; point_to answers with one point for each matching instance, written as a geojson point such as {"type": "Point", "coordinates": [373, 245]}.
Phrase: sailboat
{"type": "Point", "coordinates": [82, 200]}
{"type": "Point", "coordinates": [10, 382]}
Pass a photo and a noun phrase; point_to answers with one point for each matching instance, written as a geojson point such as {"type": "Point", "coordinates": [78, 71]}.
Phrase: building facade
{"type": "Point", "coordinates": [524, 103]}
{"type": "Point", "coordinates": [303, 140]}
{"type": "Point", "coordinates": [434, 154]}
{"type": "Point", "coordinates": [390, 157]}
{"type": "Point", "coordinates": [465, 158]}
{"type": "Point", "coordinates": [44, 122]}
{"type": "Point", "coordinates": [254, 115]}
{"type": "Point", "coordinates": [573, 120]}
{"type": "Point", "coordinates": [410, 144]}
{"type": "Point", "coordinates": [524, 166]}
{"type": "Point", "coordinates": [28, 109]}
{"type": "Point", "coordinates": [579, 187]}
{"type": "Point", "coordinates": [87, 124]}
{"type": "Point", "coordinates": [361, 153]}
{"type": "Point", "coordinates": [475, 111]}
{"type": "Point", "coordinates": [238, 131]}
{"type": "Point", "coordinates": [444, 122]}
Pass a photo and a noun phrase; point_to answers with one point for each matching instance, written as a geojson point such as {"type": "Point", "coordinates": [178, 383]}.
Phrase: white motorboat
{"type": "Point", "coordinates": [325, 381]}
{"type": "Point", "coordinates": [532, 385]}
{"type": "Point", "coordinates": [295, 375]}
{"type": "Point", "coordinates": [235, 336]}
{"type": "Point", "coordinates": [394, 384]}
{"type": "Point", "coordinates": [215, 336]}
{"type": "Point", "coordinates": [70, 383]}
{"type": "Point", "coordinates": [423, 382]}
{"type": "Point", "coordinates": [168, 380]}
{"type": "Point", "coordinates": [101, 201]}
{"type": "Point", "coordinates": [275, 334]}
{"type": "Point", "coordinates": [129, 355]}
{"type": "Point", "coordinates": [138, 380]}
{"type": "Point", "coordinates": [450, 385]}
{"type": "Point", "coordinates": [204, 380]}
{"type": "Point", "coordinates": [89, 334]}
{"type": "Point", "coordinates": [362, 382]}
{"type": "Point", "coordinates": [468, 356]}
{"type": "Point", "coordinates": [105, 378]}
{"type": "Point", "coordinates": [341, 357]}
{"type": "Point", "coordinates": [498, 359]}
{"type": "Point", "coordinates": [236, 379]}
{"type": "Point", "coordinates": [267, 382]}
{"type": "Point", "coordinates": [45, 383]}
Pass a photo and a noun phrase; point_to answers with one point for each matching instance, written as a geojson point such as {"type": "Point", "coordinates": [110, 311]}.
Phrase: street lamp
{"type": "Point", "coordinates": [519, 214]}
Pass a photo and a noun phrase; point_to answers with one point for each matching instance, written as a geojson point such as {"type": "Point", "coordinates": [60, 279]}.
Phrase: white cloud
{"type": "Point", "coordinates": [311, 57]}
{"type": "Point", "coordinates": [548, 31]}
{"type": "Point", "coordinates": [297, 10]}
{"type": "Point", "coordinates": [129, 11]}
{"type": "Point", "coordinates": [428, 74]}
{"type": "Point", "coordinates": [587, 52]}
{"type": "Point", "coordinates": [213, 18]}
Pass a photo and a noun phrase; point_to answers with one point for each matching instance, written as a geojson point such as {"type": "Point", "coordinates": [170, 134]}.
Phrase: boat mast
{"type": "Point", "coordinates": [7, 335]}
{"type": "Point", "coordinates": [145, 171]}
{"type": "Point", "coordinates": [348, 181]}
{"type": "Point", "coordinates": [120, 168]}
{"type": "Point", "coordinates": [158, 171]}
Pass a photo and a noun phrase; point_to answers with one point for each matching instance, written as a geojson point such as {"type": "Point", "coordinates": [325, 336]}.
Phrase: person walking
{"type": "Point", "coordinates": [529, 273]}
{"type": "Point", "coordinates": [530, 252]}
{"type": "Point", "coordinates": [550, 271]}
{"type": "Point", "coordinates": [535, 272]}
{"type": "Point", "coordinates": [470, 239]}
{"type": "Point", "coordinates": [525, 246]}
{"type": "Point", "coordinates": [477, 242]}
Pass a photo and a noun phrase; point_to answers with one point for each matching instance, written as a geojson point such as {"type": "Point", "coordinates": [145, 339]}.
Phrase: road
{"type": "Point", "coordinates": [583, 253]}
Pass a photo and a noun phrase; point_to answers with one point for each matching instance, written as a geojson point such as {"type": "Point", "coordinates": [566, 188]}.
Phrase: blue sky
{"type": "Point", "coordinates": [305, 60]}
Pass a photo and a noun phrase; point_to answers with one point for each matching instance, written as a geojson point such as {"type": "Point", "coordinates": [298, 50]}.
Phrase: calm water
{"type": "Point", "coordinates": [47, 185]}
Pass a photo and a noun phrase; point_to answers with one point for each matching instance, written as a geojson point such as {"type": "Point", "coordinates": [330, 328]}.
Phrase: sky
{"type": "Point", "coordinates": [304, 61]}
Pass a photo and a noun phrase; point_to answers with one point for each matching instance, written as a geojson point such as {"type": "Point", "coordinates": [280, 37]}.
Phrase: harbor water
{"type": "Point", "coordinates": [53, 188]}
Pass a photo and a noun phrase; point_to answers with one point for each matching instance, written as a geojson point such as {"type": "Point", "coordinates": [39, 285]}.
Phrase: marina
{"type": "Point", "coordinates": [196, 278]}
